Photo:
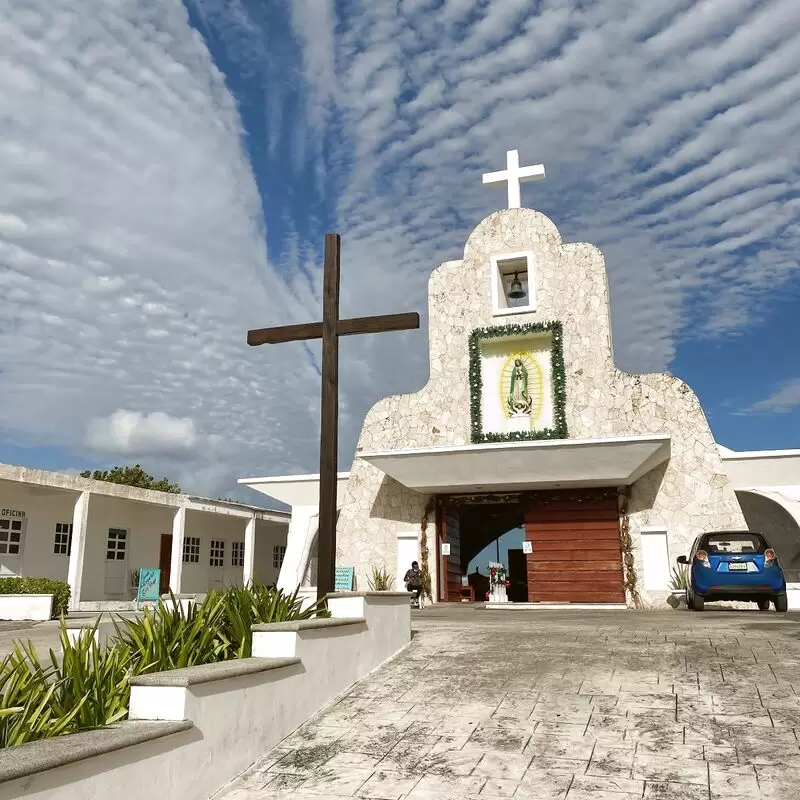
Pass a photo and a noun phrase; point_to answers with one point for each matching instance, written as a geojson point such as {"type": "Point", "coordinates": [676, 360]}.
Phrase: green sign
{"type": "Point", "coordinates": [149, 584]}
{"type": "Point", "coordinates": [343, 579]}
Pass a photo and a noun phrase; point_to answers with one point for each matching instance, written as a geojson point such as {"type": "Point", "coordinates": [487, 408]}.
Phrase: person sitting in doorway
{"type": "Point", "coordinates": [413, 582]}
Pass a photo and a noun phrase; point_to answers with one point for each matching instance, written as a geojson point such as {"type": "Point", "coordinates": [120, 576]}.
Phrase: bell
{"type": "Point", "coordinates": [515, 291]}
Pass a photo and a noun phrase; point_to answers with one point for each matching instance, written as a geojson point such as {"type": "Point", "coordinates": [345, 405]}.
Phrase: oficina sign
{"type": "Point", "coordinates": [11, 512]}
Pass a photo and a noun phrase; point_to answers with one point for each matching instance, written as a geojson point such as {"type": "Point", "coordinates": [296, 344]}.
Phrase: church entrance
{"type": "Point", "coordinates": [557, 546]}
{"type": "Point", "coordinates": [576, 551]}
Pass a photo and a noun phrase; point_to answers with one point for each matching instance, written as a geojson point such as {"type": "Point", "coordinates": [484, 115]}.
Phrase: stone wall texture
{"type": "Point", "coordinates": [687, 495]}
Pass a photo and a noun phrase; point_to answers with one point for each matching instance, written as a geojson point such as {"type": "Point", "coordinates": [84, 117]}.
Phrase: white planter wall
{"type": "Point", "coordinates": [237, 710]}
{"type": "Point", "coordinates": [37, 607]}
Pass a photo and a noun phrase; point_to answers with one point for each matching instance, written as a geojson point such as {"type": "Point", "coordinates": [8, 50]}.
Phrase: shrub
{"type": "Point", "coordinates": [171, 636]}
{"type": "Point", "coordinates": [380, 580]}
{"type": "Point", "coordinates": [89, 685]}
{"type": "Point", "coordinates": [59, 589]}
{"type": "Point", "coordinates": [253, 605]}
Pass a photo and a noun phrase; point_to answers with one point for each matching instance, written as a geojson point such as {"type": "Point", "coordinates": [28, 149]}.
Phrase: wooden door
{"type": "Point", "coordinates": [164, 562]}
{"type": "Point", "coordinates": [577, 554]}
{"type": "Point", "coordinates": [451, 565]}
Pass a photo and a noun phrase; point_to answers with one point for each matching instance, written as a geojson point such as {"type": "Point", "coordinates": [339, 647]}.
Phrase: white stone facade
{"type": "Point", "coordinates": [687, 495]}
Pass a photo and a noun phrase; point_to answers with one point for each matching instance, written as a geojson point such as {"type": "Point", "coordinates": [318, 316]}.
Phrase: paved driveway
{"type": "Point", "coordinates": [551, 705]}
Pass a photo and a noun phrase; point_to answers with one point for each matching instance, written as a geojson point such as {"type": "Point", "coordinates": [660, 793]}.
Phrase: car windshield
{"type": "Point", "coordinates": [736, 543]}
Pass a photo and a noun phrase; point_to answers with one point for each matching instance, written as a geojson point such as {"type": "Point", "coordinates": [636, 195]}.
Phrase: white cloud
{"type": "Point", "coordinates": [668, 132]}
{"type": "Point", "coordinates": [132, 254]}
{"type": "Point", "coordinates": [132, 434]}
{"type": "Point", "coordinates": [132, 249]}
{"type": "Point", "coordinates": [782, 401]}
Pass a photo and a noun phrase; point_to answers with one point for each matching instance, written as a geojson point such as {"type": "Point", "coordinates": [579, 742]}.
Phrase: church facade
{"type": "Point", "coordinates": [640, 442]}
{"type": "Point", "coordinates": [526, 422]}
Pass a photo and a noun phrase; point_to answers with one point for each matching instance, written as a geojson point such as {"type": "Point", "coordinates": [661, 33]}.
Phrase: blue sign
{"type": "Point", "coordinates": [149, 584]}
{"type": "Point", "coordinates": [343, 579]}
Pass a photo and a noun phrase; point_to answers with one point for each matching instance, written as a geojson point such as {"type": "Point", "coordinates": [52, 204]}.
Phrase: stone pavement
{"type": "Point", "coordinates": [566, 704]}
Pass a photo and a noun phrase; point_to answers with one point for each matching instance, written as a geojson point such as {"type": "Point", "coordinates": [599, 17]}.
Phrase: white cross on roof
{"type": "Point", "coordinates": [514, 175]}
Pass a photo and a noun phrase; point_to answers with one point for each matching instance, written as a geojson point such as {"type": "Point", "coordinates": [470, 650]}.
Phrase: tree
{"type": "Point", "coordinates": [132, 476]}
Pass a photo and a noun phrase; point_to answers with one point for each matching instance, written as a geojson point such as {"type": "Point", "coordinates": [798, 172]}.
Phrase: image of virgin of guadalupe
{"type": "Point", "coordinates": [519, 401]}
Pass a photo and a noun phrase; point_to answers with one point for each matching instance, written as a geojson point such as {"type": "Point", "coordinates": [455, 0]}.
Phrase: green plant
{"type": "Point", "coordinates": [59, 589]}
{"type": "Point", "coordinates": [29, 708]}
{"type": "Point", "coordinates": [380, 580]}
{"type": "Point", "coordinates": [253, 605]}
{"type": "Point", "coordinates": [132, 476]}
{"type": "Point", "coordinates": [92, 678]}
{"type": "Point", "coordinates": [170, 636]}
{"type": "Point", "coordinates": [679, 580]}
{"type": "Point", "coordinates": [88, 686]}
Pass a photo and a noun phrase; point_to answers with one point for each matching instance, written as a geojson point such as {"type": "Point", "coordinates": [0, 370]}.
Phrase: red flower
{"type": "Point", "coordinates": [508, 584]}
{"type": "Point", "coordinates": [487, 595]}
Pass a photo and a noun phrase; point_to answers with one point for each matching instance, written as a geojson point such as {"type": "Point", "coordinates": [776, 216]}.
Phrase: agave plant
{"type": "Point", "coordinates": [679, 580]}
{"type": "Point", "coordinates": [88, 686]}
{"type": "Point", "coordinates": [92, 678]}
{"type": "Point", "coordinates": [380, 580]}
{"type": "Point", "coordinates": [252, 605]}
{"type": "Point", "coordinates": [171, 636]}
{"type": "Point", "coordinates": [29, 707]}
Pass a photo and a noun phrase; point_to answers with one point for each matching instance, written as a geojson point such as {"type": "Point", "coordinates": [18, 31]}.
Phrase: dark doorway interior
{"type": "Point", "coordinates": [164, 561]}
{"type": "Point", "coordinates": [468, 525]}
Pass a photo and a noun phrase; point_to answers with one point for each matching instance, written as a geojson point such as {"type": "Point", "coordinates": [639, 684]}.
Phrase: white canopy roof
{"type": "Point", "coordinates": [545, 464]}
{"type": "Point", "coordinates": [294, 490]}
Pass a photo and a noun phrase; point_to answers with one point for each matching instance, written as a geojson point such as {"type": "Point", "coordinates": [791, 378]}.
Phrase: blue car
{"type": "Point", "coordinates": [734, 565]}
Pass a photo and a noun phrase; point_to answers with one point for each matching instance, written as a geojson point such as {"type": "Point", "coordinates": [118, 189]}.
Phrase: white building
{"type": "Point", "coordinates": [526, 421]}
{"type": "Point", "coordinates": [93, 534]}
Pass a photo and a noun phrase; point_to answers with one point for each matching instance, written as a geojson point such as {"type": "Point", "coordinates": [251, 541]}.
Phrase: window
{"type": "Point", "coordinates": [10, 537]}
{"type": "Point", "coordinates": [217, 553]}
{"type": "Point", "coordinates": [191, 550]}
{"type": "Point", "coordinates": [278, 552]}
{"type": "Point", "coordinates": [735, 542]}
{"type": "Point", "coordinates": [117, 544]}
{"type": "Point", "coordinates": [237, 554]}
{"type": "Point", "coordinates": [62, 543]}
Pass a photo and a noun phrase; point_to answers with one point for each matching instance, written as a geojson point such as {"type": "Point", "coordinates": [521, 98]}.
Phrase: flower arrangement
{"type": "Point", "coordinates": [498, 576]}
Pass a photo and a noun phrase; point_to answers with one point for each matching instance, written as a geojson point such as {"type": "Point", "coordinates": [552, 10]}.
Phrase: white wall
{"type": "Point", "coordinates": [145, 524]}
{"type": "Point", "coordinates": [201, 576]}
{"type": "Point", "coordinates": [43, 509]}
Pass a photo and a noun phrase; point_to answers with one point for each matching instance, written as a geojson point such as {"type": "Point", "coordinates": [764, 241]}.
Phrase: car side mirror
{"type": "Point", "coordinates": [683, 560]}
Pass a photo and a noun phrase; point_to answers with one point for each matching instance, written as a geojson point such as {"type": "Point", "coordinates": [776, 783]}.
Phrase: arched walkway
{"type": "Point", "coordinates": [777, 516]}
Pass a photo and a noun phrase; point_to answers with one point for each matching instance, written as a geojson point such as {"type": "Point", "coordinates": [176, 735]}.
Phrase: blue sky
{"type": "Point", "coordinates": [170, 169]}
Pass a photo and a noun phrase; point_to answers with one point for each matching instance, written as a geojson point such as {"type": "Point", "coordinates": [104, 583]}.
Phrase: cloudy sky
{"type": "Point", "coordinates": [169, 169]}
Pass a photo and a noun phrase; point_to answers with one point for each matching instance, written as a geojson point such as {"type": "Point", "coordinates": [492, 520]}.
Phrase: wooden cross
{"type": "Point", "coordinates": [329, 330]}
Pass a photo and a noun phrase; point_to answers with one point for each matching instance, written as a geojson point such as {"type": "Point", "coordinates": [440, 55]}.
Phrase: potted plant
{"type": "Point", "coordinates": [678, 584]}
{"type": "Point", "coordinates": [135, 572]}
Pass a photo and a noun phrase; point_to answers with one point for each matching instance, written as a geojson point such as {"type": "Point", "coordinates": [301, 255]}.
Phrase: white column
{"type": "Point", "coordinates": [249, 551]}
{"type": "Point", "coordinates": [80, 518]}
{"type": "Point", "coordinates": [176, 558]}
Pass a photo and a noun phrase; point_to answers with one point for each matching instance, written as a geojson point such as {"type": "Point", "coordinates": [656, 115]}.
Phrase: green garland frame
{"type": "Point", "coordinates": [559, 429]}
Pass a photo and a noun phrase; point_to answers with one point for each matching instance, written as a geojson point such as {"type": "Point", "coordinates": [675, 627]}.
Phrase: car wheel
{"type": "Point", "coordinates": [763, 605]}
{"type": "Point", "coordinates": [782, 603]}
{"type": "Point", "coordinates": [698, 603]}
